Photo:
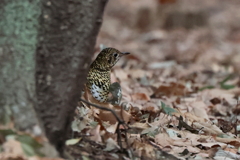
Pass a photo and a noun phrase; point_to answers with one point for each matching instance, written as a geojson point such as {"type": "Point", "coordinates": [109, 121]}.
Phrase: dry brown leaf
{"type": "Point", "coordinates": [12, 149]}
{"type": "Point", "coordinates": [163, 139]}
{"type": "Point", "coordinates": [163, 120]}
{"type": "Point", "coordinates": [207, 128]}
{"type": "Point", "coordinates": [225, 126]}
{"type": "Point", "coordinates": [139, 125]}
{"type": "Point", "coordinates": [207, 95]}
{"type": "Point", "coordinates": [215, 101]}
{"type": "Point", "coordinates": [200, 112]}
{"type": "Point", "coordinates": [138, 73]}
{"type": "Point", "coordinates": [175, 89]}
{"type": "Point", "coordinates": [150, 107]}
{"type": "Point", "coordinates": [192, 118]}
{"type": "Point", "coordinates": [95, 134]}
{"type": "Point", "coordinates": [198, 104]}
{"type": "Point", "coordinates": [111, 144]}
{"type": "Point", "coordinates": [144, 149]}
{"type": "Point", "coordinates": [226, 155]}
{"type": "Point", "coordinates": [119, 75]}
{"type": "Point", "coordinates": [140, 96]}
{"type": "Point", "coordinates": [111, 128]}
{"type": "Point", "coordinates": [108, 116]}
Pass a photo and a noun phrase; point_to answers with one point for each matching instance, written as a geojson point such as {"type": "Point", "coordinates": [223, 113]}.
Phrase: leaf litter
{"type": "Point", "coordinates": [180, 89]}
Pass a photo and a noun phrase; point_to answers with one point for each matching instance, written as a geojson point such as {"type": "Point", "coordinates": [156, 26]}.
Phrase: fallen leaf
{"type": "Point", "coordinates": [111, 145]}
{"type": "Point", "coordinates": [108, 116]}
{"type": "Point", "coordinates": [72, 141]}
{"type": "Point", "coordinates": [138, 73]}
{"type": "Point", "coordinates": [200, 112]}
{"type": "Point", "coordinates": [140, 96]}
{"type": "Point", "coordinates": [174, 89]}
{"type": "Point", "coordinates": [95, 134]}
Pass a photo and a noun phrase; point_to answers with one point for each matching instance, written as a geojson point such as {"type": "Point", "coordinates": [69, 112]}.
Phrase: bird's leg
{"type": "Point", "coordinates": [116, 93]}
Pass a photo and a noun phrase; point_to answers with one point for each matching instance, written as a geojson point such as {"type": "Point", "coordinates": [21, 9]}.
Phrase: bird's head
{"type": "Point", "coordinates": [107, 58]}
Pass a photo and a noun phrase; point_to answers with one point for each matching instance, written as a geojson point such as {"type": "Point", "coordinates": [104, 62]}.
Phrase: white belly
{"type": "Point", "coordinates": [97, 93]}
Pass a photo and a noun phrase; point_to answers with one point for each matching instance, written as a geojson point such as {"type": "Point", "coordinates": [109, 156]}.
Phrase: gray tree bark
{"type": "Point", "coordinates": [45, 51]}
{"type": "Point", "coordinates": [18, 32]}
{"type": "Point", "coordinates": [67, 39]}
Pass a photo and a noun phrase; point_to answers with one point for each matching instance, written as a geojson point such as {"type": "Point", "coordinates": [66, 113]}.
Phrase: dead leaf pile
{"type": "Point", "coordinates": [180, 89]}
{"type": "Point", "coordinates": [180, 84]}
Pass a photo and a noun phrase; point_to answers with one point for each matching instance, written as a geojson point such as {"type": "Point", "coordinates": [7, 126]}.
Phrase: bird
{"type": "Point", "coordinates": [99, 75]}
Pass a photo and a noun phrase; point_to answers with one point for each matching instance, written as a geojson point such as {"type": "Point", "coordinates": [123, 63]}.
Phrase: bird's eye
{"type": "Point", "coordinates": [115, 55]}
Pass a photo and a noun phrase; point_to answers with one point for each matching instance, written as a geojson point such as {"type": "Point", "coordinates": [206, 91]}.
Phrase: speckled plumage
{"type": "Point", "coordinates": [98, 79]}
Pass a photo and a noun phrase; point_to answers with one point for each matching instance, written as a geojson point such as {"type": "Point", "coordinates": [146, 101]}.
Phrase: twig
{"type": "Point", "coordinates": [104, 108]}
{"type": "Point", "coordinates": [163, 154]}
{"type": "Point", "coordinates": [125, 129]}
{"type": "Point", "coordinates": [116, 116]}
{"type": "Point", "coordinates": [186, 126]}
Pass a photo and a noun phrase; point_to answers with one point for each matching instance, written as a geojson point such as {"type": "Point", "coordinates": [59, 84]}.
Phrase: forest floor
{"type": "Point", "coordinates": [180, 83]}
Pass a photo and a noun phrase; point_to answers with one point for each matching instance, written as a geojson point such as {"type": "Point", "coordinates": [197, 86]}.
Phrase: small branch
{"type": "Point", "coordinates": [104, 108]}
{"type": "Point", "coordinates": [163, 154]}
{"type": "Point", "coordinates": [116, 116]}
{"type": "Point", "coordinates": [186, 126]}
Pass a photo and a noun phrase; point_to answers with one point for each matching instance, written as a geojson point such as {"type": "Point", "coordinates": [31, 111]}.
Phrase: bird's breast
{"type": "Point", "coordinates": [99, 93]}
{"type": "Point", "coordinates": [98, 82]}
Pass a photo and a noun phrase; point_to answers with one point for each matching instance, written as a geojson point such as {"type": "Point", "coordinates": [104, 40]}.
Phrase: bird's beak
{"type": "Point", "coordinates": [125, 53]}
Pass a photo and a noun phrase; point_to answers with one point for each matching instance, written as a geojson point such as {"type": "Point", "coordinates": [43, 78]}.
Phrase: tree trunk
{"type": "Point", "coordinates": [18, 30]}
{"type": "Point", "coordinates": [45, 51]}
{"type": "Point", "coordinates": [66, 43]}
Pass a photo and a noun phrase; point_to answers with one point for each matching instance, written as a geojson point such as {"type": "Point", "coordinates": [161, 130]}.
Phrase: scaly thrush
{"type": "Point", "coordinates": [98, 79]}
